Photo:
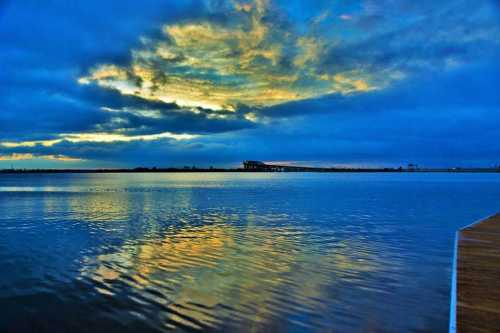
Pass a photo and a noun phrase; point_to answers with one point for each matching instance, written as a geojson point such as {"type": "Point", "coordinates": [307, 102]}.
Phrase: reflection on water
{"type": "Point", "coordinates": [294, 252]}
{"type": "Point", "coordinates": [209, 275]}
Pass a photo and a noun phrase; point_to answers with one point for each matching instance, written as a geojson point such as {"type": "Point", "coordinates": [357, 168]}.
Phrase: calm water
{"type": "Point", "coordinates": [233, 252]}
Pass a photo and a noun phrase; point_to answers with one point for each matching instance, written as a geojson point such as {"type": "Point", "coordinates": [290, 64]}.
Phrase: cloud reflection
{"type": "Point", "coordinates": [207, 274]}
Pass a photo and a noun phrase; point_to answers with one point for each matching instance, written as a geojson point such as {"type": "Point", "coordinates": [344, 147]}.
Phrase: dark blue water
{"type": "Point", "coordinates": [233, 252]}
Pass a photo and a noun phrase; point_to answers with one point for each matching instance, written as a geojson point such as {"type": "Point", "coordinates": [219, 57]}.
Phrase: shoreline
{"type": "Point", "coordinates": [217, 170]}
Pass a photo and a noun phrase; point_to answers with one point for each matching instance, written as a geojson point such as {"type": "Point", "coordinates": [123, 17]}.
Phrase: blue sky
{"type": "Point", "coordinates": [172, 83]}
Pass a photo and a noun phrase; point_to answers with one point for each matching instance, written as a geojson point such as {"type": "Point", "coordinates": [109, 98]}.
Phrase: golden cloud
{"type": "Point", "coordinates": [29, 156]}
{"type": "Point", "coordinates": [114, 137]}
{"type": "Point", "coordinates": [253, 60]}
{"type": "Point", "coordinates": [101, 137]}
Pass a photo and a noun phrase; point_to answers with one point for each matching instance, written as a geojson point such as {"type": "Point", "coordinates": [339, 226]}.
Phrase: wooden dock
{"type": "Point", "coordinates": [475, 302]}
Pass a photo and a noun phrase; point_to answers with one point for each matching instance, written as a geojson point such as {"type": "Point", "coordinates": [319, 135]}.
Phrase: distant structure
{"type": "Point", "coordinates": [261, 166]}
{"type": "Point", "coordinates": [258, 166]}
{"type": "Point", "coordinates": [253, 165]}
{"type": "Point", "coordinates": [412, 167]}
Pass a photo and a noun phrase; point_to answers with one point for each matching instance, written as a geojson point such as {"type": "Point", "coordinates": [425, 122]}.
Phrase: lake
{"type": "Point", "coordinates": [246, 252]}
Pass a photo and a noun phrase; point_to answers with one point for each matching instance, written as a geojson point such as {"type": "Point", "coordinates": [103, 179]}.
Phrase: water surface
{"type": "Point", "coordinates": [233, 252]}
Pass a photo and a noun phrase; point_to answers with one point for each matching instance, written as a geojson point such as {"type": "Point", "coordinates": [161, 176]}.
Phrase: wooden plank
{"type": "Point", "coordinates": [478, 277]}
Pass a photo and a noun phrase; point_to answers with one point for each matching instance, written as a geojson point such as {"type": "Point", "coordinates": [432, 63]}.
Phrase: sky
{"type": "Point", "coordinates": [105, 84]}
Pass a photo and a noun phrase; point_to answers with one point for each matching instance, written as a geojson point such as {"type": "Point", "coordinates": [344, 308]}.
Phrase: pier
{"type": "Point", "coordinates": [475, 301]}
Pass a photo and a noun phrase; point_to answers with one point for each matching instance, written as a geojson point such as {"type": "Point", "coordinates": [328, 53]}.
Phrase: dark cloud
{"type": "Point", "coordinates": [472, 87]}
{"type": "Point", "coordinates": [75, 33]}
{"type": "Point", "coordinates": [45, 48]}
{"type": "Point", "coordinates": [41, 104]}
{"type": "Point", "coordinates": [418, 38]}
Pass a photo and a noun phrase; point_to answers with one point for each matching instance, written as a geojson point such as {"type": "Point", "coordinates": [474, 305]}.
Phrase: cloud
{"type": "Point", "coordinates": [30, 156]}
{"type": "Point", "coordinates": [61, 106]}
{"type": "Point", "coordinates": [96, 137]}
{"type": "Point", "coordinates": [408, 39]}
{"type": "Point", "coordinates": [255, 59]}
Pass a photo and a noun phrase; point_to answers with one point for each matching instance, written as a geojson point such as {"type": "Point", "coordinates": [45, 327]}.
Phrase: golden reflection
{"type": "Point", "coordinates": [114, 202]}
{"type": "Point", "coordinates": [248, 269]}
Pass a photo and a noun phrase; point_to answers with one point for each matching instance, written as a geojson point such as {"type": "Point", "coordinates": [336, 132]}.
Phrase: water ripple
{"type": "Point", "coordinates": [214, 252]}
